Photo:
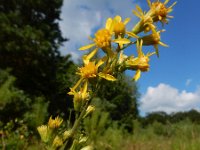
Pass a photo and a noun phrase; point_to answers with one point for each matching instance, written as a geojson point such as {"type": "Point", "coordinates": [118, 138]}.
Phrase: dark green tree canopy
{"type": "Point", "coordinates": [30, 37]}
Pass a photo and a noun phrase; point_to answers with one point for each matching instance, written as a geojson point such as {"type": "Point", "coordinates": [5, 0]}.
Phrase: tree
{"type": "Point", "coordinates": [30, 38]}
{"type": "Point", "coordinates": [120, 100]}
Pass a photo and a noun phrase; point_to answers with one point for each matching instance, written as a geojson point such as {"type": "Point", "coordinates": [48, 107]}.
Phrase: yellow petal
{"type": "Point", "coordinates": [100, 62]}
{"type": "Point", "coordinates": [122, 41]}
{"type": "Point", "coordinates": [137, 75]}
{"type": "Point", "coordinates": [137, 14]}
{"type": "Point", "coordinates": [118, 18]}
{"type": "Point", "coordinates": [127, 20]}
{"type": "Point", "coordinates": [163, 44]}
{"type": "Point", "coordinates": [87, 46]}
{"type": "Point", "coordinates": [77, 84]}
{"type": "Point", "coordinates": [131, 34]}
{"type": "Point", "coordinates": [107, 76]}
{"type": "Point", "coordinates": [149, 3]}
{"type": "Point", "coordinates": [108, 23]}
{"type": "Point", "coordinates": [138, 9]}
{"type": "Point", "coordinates": [86, 58]}
{"type": "Point", "coordinates": [166, 2]}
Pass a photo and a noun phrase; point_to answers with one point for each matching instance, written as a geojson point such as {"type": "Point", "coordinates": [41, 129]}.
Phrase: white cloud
{"type": "Point", "coordinates": [81, 18]}
{"type": "Point", "coordinates": [169, 99]}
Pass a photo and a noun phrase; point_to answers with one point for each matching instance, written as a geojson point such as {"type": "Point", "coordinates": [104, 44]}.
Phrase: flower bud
{"type": "Point", "coordinates": [44, 133]}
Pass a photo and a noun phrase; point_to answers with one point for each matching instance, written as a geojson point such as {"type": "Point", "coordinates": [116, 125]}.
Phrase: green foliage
{"type": "Point", "coordinates": [103, 133]}
{"type": "Point", "coordinates": [30, 38]}
{"type": "Point", "coordinates": [37, 114]}
{"type": "Point", "coordinates": [11, 98]}
{"type": "Point", "coordinates": [120, 100]}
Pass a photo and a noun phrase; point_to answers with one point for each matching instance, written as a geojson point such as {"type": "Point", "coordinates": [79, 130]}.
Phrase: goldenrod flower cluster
{"type": "Point", "coordinates": [47, 132]}
{"type": "Point", "coordinates": [111, 41]}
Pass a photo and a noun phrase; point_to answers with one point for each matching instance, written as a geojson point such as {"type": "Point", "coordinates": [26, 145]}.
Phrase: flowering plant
{"type": "Point", "coordinates": [111, 40]}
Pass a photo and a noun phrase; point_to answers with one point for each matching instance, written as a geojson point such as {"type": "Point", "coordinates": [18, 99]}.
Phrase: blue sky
{"type": "Point", "coordinates": [173, 82]}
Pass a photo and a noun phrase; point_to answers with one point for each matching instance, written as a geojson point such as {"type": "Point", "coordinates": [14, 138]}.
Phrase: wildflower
{"type": "Point", "coordinates": [54, 123]}
{"type": "Point", "coordinates": [140, 63]}
{"type": "Point", "coordinates": [57, 142]}
{"type": "Point", "coordinates": [154, 39]}
{"type": "Point", "coordinates": [89, 110]}
{"type": "Point", "coordinates": [159, 12]}
{"type": "Point", "coordinates": [103, 37]}
{"type": "Point", "coordinates": [80, 97]}
{"type": "Point", "coordinates": [146, 23]}
{"type": "Point", "coordinates": [44, 133]}
{"type": "Point", "coordinates": [119, 27]}
{"type": "Point", "coordinates": [90, 70]}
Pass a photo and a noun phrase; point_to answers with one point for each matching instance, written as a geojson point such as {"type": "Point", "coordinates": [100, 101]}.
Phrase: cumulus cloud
{"type": "Point", "coordinates": [81, 18]}
{"type": "Point", "coordinates": [169, 99]}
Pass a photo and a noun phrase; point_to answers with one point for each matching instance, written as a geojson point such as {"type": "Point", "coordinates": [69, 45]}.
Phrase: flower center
{"type": "Point", "coordinates": [89, 70]}
{"type": "Point", "coordinates": [103, 38]}
{"type": "Point", "coordinates": [143, 63]}
{"type": "Point", "coordinates": [160, 10]}
{"type": "Point", "coordinates": [119, 28]}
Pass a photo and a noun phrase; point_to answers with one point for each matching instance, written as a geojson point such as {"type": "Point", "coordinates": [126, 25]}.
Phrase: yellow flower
{"type": "Point", "coordinates": [146, 22]}
{"type": "Point", "coordinates": [44, 133]}
{"type": "Point", "coordinates": [54, 123]}
{"type": "Point", "coordinates": [89, 110]}
{"type": "Point", "coordinates": [154, 39]}
{"type": "Point", "coordinates": [159, 11]}
{"type": "Point", "coordinates": [57, 142]}
{"type": "Point", "coordinates": [90, 70]}
{"type": "Point", "coordinates": [103, 37]}
{"type": "Point", "coordinates": [119, 27]}
{"type": "Point", "coordinates": [140, 63]}
{"type": "Point", "coordinates": [80, 97]}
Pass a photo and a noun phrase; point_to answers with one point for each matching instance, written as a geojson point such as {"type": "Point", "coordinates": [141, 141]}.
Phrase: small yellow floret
{"type": "Point", "coordinates": [103, 38]}
{"type": "Point", "coordinates": [89, 70]}
{"type": "Point", "coordinates": [54, 123]}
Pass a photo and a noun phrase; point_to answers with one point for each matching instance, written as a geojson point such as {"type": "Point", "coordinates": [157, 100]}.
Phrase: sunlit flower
{"type": "Point", "coordinates": [54, 123]}
{"type": "Point", "coordinates": [146, 22]}
{"type": "Point", "coordinates": [81, 96]}
{"type": "Point", "coordinates": [119, 27]}
{"type": "Point", "coordinates": [154, 39]}
{"type": "Point", "coordinates": [159, 11]}
{"type": "Point", "coordinates": [103, 37]}
{"type": "Point", "coordinates": [44, 133]}
{"type": "Point", "coordinates": [140, 63]}
{"type": "Point", "coordinates": [89, 110]}
{"type": "Point", "coordinates": [90, 70]}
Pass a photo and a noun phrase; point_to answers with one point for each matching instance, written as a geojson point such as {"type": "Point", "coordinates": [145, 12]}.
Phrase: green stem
{"type": "Point", "coordinates": [75, 127]}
